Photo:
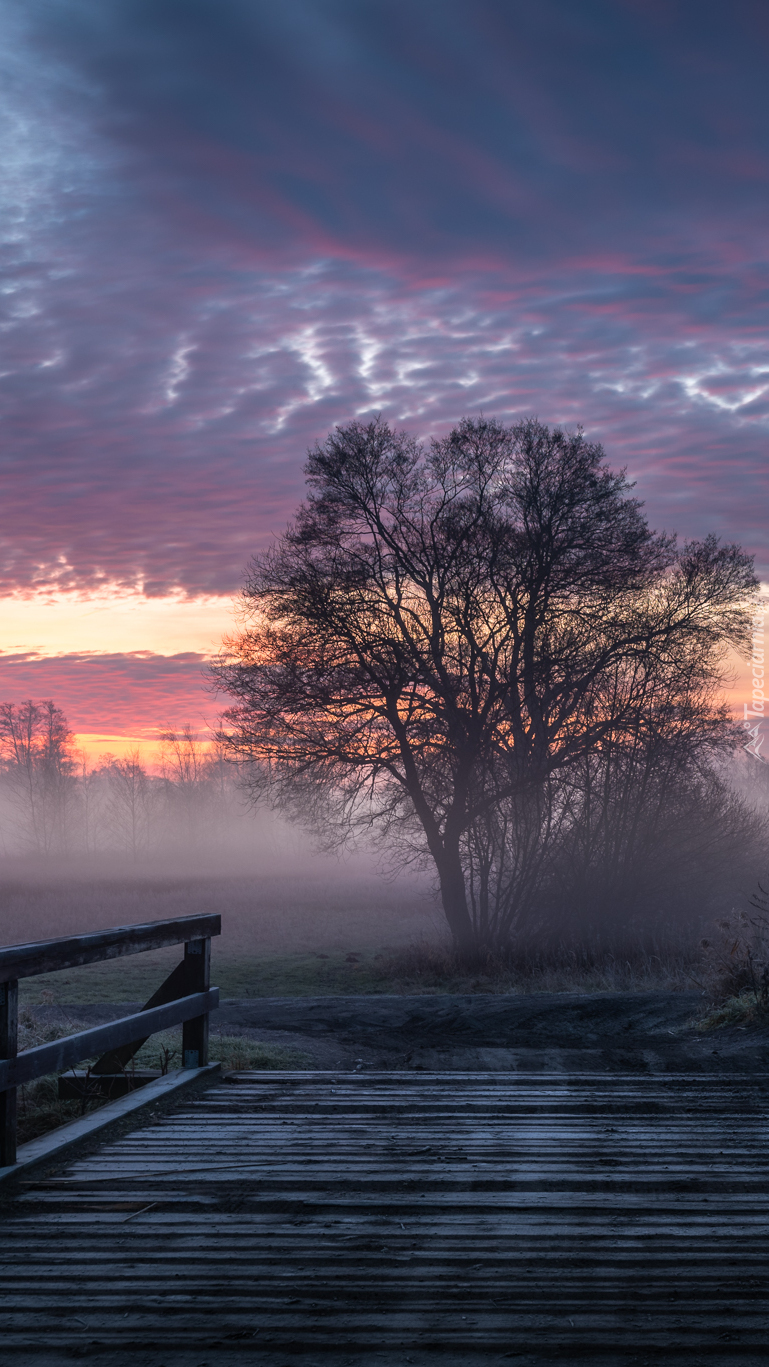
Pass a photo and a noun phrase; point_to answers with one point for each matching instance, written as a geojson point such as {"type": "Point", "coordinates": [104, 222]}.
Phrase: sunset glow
{"type": "Point", "coordinates": [75, 623]}
{"type": "Point", "coordinates": [122, 666]}
{"type": "Point", "coordinates": [232, 227]}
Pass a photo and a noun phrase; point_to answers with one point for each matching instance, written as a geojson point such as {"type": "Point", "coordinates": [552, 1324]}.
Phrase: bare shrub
{"type": "Point", "coordinates": [588, 967]}
{"type": "Point", "coordinates": [736, 957]}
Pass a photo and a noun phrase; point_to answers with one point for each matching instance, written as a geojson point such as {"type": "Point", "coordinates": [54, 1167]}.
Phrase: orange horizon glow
{"type": "Point", "coordinates": [96, 749]}
{"type": "Point", "coordinates": [114, 619]}
{"type": "Point", "coordinates": [124, 667]}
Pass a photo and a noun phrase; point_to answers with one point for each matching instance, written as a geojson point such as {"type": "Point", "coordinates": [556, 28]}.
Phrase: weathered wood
{"type": "Point", "coordinates": [174, 987]}
{"type": "Point", "coordinates": [197, 967]}
{"type": "Point", "coordinates": [9, 1035]}
{"type": "Point", "coordinates": [65, 1053]}
{"type": "Point", "coordinates": [434, 1218]}
{"type": "Point", "coordinates": [76, 1086]}
{"type": "Point", "coordinates": [71, 951]}
{"type": "Point", "coordinates": [57, 1145]}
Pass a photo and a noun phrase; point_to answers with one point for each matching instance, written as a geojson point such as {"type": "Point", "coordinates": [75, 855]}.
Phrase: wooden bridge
{"type": "Point", "coordinates": [406, 1218]}
{"type": "Point", "coordinates": [370, 1218]}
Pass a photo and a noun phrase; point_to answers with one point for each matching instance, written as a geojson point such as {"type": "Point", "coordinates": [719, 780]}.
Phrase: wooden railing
{"type": "Point", "coordinates": [185, 998]}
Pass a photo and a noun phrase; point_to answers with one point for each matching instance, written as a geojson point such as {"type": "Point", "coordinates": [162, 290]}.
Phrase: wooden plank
{"type": "Point", "coordinates": [302, 1217]}
{"type": "Point", "coordinates": [65, 1053]}
{"type": "Point", "coordinates": [53, 1147]}
{"type": "Point", "coordinates": [74, 1086]}
{"type": "Point", "coordinates": [71, 951]}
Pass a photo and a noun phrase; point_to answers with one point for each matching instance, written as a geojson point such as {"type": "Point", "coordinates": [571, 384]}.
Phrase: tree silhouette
{"type": "Point", "coordinates": [442, 631]}
{"type": "Point", "coordinates": [35, 743]}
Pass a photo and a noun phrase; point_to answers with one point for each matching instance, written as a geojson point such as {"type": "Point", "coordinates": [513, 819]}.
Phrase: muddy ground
{"type": "Point", "coordinates": [644, 1032]}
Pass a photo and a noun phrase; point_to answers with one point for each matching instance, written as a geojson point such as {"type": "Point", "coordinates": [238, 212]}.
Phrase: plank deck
{"type": "Point", "coordinates": [343, 1218]}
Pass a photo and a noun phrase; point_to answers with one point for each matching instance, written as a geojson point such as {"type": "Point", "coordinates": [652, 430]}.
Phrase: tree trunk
{"type": "Point", "coordinates": [454, 898]}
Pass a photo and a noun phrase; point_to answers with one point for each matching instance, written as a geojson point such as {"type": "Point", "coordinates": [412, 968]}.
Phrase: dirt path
{"type": "Point", "coordinates": [565, 1032]}
{"type": "Point", "coordinates": [645, 1032]}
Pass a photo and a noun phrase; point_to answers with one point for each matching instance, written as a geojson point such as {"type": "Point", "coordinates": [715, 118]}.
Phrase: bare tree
{"type": "Point", "coordinates": [183, 757]}
{"type": "Point", "coordinates": [617, 828]}
{"type": "Point", "coordinates": [441, 632]}
{"type": "Point", "coordinates": [88, 782]}
{"type": "Point", "coordinates": [197, 783]}
{"type": "Point", "coordinates": [36, 747]}
{"type": "Point", "coordinates": [128, 801]}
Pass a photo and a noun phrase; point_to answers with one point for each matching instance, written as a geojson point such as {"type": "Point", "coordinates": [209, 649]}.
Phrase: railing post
{"type": "Point", "coordinates": [197, 963]}
{"type": "Point", "coordinates": [9, 1043]}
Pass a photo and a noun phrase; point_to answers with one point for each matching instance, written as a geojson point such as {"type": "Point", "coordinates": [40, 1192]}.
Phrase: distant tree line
{"type": "Point", "coordinates": [480, 654]}
{"type": "Point", "coordinates": [53, 801]}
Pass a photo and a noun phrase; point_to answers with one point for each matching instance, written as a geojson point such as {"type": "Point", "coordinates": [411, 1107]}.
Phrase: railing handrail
{"type": "Point", "coordinates": [185, 998]}
{"type": "Point", "coordinates": [72, 951]}
{"type": "Point", "coordinates": [60, 1054]}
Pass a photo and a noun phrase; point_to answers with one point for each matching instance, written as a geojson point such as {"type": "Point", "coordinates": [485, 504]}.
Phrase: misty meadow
{"type": "Point", "coordinates": [472, 665]}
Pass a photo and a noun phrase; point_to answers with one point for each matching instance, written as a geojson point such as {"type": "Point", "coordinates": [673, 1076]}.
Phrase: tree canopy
{"type": "Point", "coordinates": [444, 630]}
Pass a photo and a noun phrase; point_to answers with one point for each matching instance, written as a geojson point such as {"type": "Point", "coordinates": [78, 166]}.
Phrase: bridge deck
{"type": "Point", "coordinates": [402, 1217]}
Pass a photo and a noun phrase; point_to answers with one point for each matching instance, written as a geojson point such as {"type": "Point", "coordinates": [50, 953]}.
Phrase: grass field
{"type": "Point", "coordinates": [281, 933]}
{"type": "Point", "coordinates": [327, 928]}
{"type": "Point", "coordinates": [302, 906]}
{"type": "Point", "coordinates": [412, 969]}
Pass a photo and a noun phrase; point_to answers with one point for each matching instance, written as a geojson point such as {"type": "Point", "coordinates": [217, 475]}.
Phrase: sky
{"type": "Point", "coordinates": [228, 225]}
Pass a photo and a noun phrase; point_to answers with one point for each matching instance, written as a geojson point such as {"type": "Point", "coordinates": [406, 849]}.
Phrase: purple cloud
{"type": "Point", "coordinates": [234, 226]}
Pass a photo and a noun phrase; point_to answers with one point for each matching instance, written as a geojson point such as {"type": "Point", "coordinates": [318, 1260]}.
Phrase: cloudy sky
{"type": "Point", "coordinates": [230, 224]}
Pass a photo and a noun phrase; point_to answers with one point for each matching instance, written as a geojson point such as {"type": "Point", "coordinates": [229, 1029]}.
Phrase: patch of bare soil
{"type": "Point", "coordinates": [639, 1032]}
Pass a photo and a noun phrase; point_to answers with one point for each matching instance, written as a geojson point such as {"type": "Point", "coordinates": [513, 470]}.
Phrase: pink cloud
{"type": "Point", "coordinates": [135, 694]}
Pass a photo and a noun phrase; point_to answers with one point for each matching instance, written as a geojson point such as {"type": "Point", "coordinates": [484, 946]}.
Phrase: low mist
{"type": "Point", "coordinates": [85, 847]}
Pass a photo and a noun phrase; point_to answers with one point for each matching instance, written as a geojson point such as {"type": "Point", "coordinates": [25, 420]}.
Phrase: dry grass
{"type": "Point", "coordinates": [234, 1052]}
{"type": "Point", "coordinates": [425, 967]}
{"type": "Point", "coordinates": [735, 957]}
{"type": "Point", "coordinates": [735, 970]}
{"type": "Point", "coordinates": [744, 1010]}
{"type": "Point", "coordinates": [420, 967]}
{"type": "Point", "coordinates": [40, 1109]}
